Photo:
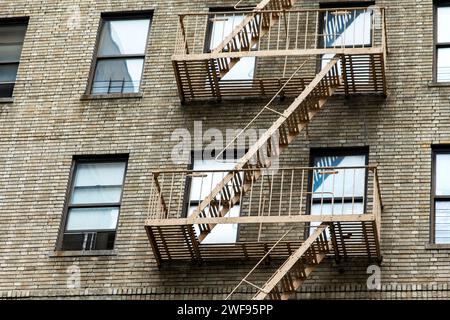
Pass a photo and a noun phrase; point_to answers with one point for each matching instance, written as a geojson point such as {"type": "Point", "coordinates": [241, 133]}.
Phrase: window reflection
{"type": "Point", "coordinates": [120, 56]}
{"type": "Point", "coordinates": [443, 43]}
{"type": "Point", "coordinates": [201, 187]}
{"type": "Point", "coordinates": [222, 25]}
{"type": "Point", "coordinates": [11, 42]}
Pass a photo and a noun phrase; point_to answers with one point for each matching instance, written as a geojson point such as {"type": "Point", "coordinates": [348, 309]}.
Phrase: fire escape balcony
{"type": "Point", "coordinates": [253, 53]}
{"type": "Point", "coordinates": [260, 206]}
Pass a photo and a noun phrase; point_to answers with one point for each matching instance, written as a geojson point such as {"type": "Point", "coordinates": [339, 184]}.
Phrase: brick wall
{"type": "Point", "coordinates": [48, 123]}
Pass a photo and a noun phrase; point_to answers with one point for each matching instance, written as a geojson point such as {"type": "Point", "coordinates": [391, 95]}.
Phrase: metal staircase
{"type": "Point", "coordinates": [297, 267]}
{"type": "Point", "coordinates": [172, 230]}
{"type": "Point", "coordinates": [248, 33]}
{"type": "Point", "coordinates": [278, 137]}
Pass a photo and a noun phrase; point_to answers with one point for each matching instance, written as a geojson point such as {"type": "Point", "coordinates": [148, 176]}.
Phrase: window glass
{"type": "Point", "coordinates": [222, 26]}
{"type": "Point", "coordinates": [12, 34]}
{"type": "Point", "coordinates": [6, 89]}
{"type": "Point", "coordinates": [11, 42]}
{"type": "Point", "coordinates": [117, 76]}
{"type": "Point", "coordinates": [120, 37]}
{"type": "Point", "coordinates": [93, 206]}
{"type": "Point", "coordinates": [442, 218]}
{"type": "Point", "coordinates": [120, 56]}
{"type": "Point", "coordinates": [347, 28]}
{"type": "Point", "coordinates": [94, 174]}
{"type": "Point", "coordinates": [201, 187]}
{"type": "Point", "coordinates": [8, 72]}
{"type": "Point", "coordinates": [10, 52]}
{"type": "Point", "coordinates": [97, 194]}
{"type": "Point", "coordinates": [443, 174]}
{"type": "Point", "coordinates": [443, 24]}
{"type": "Point", "coordinates": [340, 182]}
{"type": "Point", "coordinates": [339, 207]}
{"type": "Point", "coordinates": [443, 64]}
{"type": "Point", "coordinates": [92, 219]}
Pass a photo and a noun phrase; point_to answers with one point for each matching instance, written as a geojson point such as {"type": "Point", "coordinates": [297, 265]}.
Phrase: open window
{"type": "Point", "coordinates": [440, 196]}
{"type": "Point", "coordinates": [221, 24]}
{"type": "Point", "coordinates": [200, 185]}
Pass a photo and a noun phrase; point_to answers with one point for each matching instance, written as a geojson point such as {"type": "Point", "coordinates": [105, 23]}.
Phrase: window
{"type": "Point", "coordinates": [345, 29]}
{"type": "Point", "coordinates": [220, 26]}
{"type": "Point", "coordinates": [441, 196]}
{"type": "Point", "coordinates": [94, 203]}
{"type": "Point", "coordinates": [201, 186]}
{"type": "Point", "coordinates": [12, 34]}
{"type": "Point", "coordinates": [442, 40]}
{"type": "Point", "coordinates": [119, 61]}
{"type": "Point", "coordinates": [340, 191]}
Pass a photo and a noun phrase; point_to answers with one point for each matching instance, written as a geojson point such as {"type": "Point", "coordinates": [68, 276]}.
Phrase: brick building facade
{"type": "Point", "coordinates": [52, 119]}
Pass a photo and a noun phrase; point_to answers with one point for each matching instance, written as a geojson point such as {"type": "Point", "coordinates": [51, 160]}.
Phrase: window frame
{"type": "Point", "coordinates": [110, 16]}
{"type": "Point", "coordinates": [436, 150]}
{"type": "Point", "coordinates": [345, 151]}
{"type": "Point", "coordinates": [188, 182]}
{"type": "Point", "coordinates": [343, 5]}
{"type": "Point", "coordinates": [18, 21]}
{"type": "Point", "coordinates": [76, 160]}
{"type": "Point", "coordinates": [437, 45]}
{"type": "Point", "coordinates": [209, 29]}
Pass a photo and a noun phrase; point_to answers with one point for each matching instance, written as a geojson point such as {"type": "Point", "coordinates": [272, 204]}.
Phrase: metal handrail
{"type": "Point", "coordinates": [280, 11]}
{"type": "Point", "coordinates": [157, 172]}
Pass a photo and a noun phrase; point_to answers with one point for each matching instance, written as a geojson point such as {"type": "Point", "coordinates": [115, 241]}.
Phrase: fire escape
{"type": "Point", "coordinates": [286, 214]}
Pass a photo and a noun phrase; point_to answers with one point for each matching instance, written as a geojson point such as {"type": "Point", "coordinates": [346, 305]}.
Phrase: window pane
{"type": "Point", "coordinates": [96, 174]}
{"type": "Point", "coordinates": [124, 37]}
{"type": "Point", "coordinates": [442, 228]}
{"type": "Point", "coordinates": [92, 219]}
{"type": "Point", "coordinates": [89, 241]}
{"type": "Point", "coordinates": [443, 65]}
{"type": "Point", "coordinates": [10, 52]}
{"type": "Point", "coordinates": [443, 174]}
{"type": "Point", "coordinates": [243, 70]}
{"type": "Point", "coordinates": [334, 209]}
{"type": "Point", "coordinates": [87, 195]}
{"type": "Point", "coordinates": [12, 34]}
{"type": "Point", "coordinates": [339, 183]}
{"type": "Point", "coordinates": [338, 208]}
{"type": "Point", "coordinates": [443, 22]}
{"type": "Point", "coordinates": [6, 90]}
{"type": "Point", "coordinates": [223, 25]}
{"type": "Point", "coordinates": [347, 29]}
{"type": "Point", "coordinates": [201, 187]}
{"type": "Point", "coordinates": [222, 233]}
{"type": "Point", "coordinates": [8, 73]}
{"type": "Point", "coordinates": [117, 76]}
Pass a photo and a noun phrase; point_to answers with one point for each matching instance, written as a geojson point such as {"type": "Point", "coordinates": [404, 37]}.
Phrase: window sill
{"type": "Point", "coordinates": [435, 246]}
{"type": "Point", "coordinates": [433, 84]}
{"type": "Point", "coordinates": [111, 96]}
{"type": "Point", "coordinates": [7, 100]}
{"type": "Point", "coordinates": [80, 253]}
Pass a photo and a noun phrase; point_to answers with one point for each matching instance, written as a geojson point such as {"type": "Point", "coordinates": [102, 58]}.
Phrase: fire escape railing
{"type": "Point", "coordinates": [295, 194]}
{"type": "Point", "coordinates": [282, 33]}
